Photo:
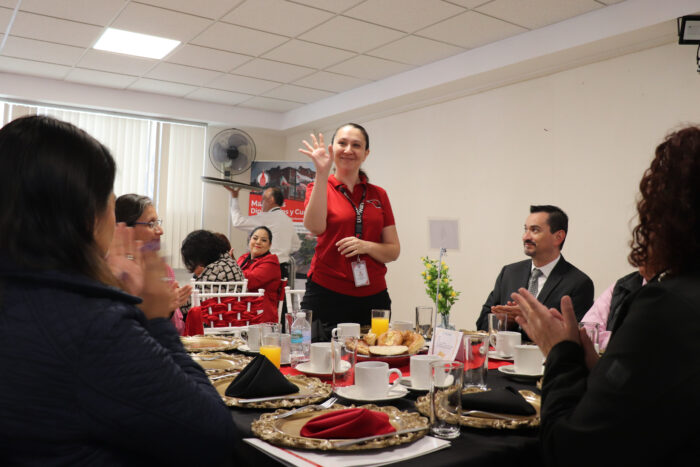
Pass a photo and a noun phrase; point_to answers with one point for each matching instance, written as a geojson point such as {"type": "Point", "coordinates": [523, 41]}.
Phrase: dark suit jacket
{"type": "Point", "coordinates": [565, 279]}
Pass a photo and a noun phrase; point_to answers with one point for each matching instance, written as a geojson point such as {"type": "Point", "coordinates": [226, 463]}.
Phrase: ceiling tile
{"type": "Point", "coordinates": [537, 13]}
{"type": "Point", "coordinates": [156, 21]}
{"type": "Point", "coordinates": [273, 105]}
{"type": "Point", "coordinates": [298, 93]}
{"type": "Point", "coordinates": [351, 34]}
{"type": "Point", "coordinates": [471, 29]}
{"type": "Point", "coordinates": [277, 16]}
{"type": "Point", "coordinates": [116, 63]}
{"type": "Point", "coordinates": [336, 6]}
{"type": "Point", "coordinates": [19, 47]}
{"type": "Point", "coordinates": [371, 68]}
{"type": "Point", "coordinates": [161, 87]}
{"type": "Point", "coordinates": [205, 57]}
{"type": "Point", "coordinates": [332, 82]}
{"type": "Point", "coordinates": [220, 97]}
{"type": "Point", "coordinates": [405, 15]}
{"type": "Point", "coordinates": [610, 2]}
{"type": "Point", "coordinates": [415, 50]}
{"type": "Point", "coordinates": [242, 84]}
{"type": "Point", "coordinates": [61, 31]}
{"type": "Point", "coordinates": [308, 54]}
{"type": "Point", "coordinates": [32, 68]}
{"type": "Point", "coordinates": [470, 3]}
{"type": "Point", "coordinates": [238, 39]}
{"type": "Point", "coordinates": [99, 12]}
{"type": "Point", "coordinates": [182, 74]}
{"type": "Point", "coordinates": [99, 78]}
{"type": "Point", "coordinates": [214, 9]}
{"type": "Point", "coordinates": [274, 71]}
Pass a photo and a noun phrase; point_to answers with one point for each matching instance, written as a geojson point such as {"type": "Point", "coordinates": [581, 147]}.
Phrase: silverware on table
{"type": "Point", "coordinates": [350, 442]}
{"type": "Point", "coordinates": [325, 405]}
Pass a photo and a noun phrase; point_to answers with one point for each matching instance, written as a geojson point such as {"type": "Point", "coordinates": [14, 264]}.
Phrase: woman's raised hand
{"type": "Point", "coordinates": [125, 260]}
{"type": "Point", "coordinates": [322, 158]}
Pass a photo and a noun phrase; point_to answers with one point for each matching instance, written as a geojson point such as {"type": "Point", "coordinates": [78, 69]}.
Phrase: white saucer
{"type": "Point", "coordinates": [353, 393]}
{"type": "Point", "coordinates": [308, 369]}
{"type": "Point", "coordinates": [510, 371]}
{"type": "Point", "coordinates": [408, 383]}
{"type": "Point", "coordinates": [495, 356]}
{"type": "Point", "coordinates": [245, 348]}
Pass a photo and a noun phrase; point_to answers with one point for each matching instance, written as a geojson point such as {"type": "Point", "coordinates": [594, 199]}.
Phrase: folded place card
{"type": "Point", "coordinates": [507, 400]}
{"type": "Point", "coordinates": [348, 424]}
{"type": "Point", "coordinates": [260, 378]}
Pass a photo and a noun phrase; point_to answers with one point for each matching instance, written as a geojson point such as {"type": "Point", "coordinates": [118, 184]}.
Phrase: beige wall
{"type": "Point", "coordinates": [580, 139]}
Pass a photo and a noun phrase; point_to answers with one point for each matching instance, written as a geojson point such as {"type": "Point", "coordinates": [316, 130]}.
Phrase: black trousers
{"type": "Point", "coordinates": [330, 308]}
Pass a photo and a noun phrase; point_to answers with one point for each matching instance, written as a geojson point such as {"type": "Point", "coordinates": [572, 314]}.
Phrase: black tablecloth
{"type": "Point", "coordinates": [475, 446]}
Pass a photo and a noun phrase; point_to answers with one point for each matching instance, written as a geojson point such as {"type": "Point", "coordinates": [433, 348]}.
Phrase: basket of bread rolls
{"type": "Point", "coordinates": [388, 346]}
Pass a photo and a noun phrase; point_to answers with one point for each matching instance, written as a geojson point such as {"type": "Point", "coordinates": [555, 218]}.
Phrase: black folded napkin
{"type": "Point", "coordinates": [260, 378]}
{"type": "Point", "coordinates": [507, 400]}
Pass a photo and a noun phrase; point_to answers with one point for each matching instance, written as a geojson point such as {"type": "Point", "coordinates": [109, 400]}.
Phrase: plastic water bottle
{"type": "Point", "coordinates": [301, 340]}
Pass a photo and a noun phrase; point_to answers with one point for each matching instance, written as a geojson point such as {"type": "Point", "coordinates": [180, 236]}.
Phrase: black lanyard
{"type": "Point", "coordinates": [358, 209]}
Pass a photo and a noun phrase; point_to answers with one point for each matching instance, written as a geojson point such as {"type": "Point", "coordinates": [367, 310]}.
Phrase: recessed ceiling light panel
{"type": "Point", "coordinates": [133, 43]}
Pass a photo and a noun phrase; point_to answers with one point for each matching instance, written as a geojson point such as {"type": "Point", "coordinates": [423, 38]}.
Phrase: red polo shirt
{"type": "Point", "coordinates": [329, 268]}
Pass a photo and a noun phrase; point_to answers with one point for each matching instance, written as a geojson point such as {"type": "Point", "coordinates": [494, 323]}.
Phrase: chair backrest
{"type": "Point", "coordinates": [226, 288]}
{"type": "Point", "coordinates": [225, 312]}
{"type": "Point", "coordinates": [290, 294]}
{"type": "Point", "coordinates": [281, 296]}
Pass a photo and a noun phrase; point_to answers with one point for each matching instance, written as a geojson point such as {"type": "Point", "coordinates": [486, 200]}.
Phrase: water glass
{"type": "Point", "coordinates": [445, 399]}
{"type": "Point", "coordinates": [424, 321]}
{"type": "Point", "coordinates": [344, 357]}
{"type": "Point", "coordinates": [476, 361]}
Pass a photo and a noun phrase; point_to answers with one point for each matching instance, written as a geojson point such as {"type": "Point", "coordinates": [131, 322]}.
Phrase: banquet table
{"type": "Point", "coordinates": [475, 446]}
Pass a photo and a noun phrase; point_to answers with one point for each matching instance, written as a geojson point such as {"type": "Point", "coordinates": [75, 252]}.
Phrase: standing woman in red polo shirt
{"type": "Point", "coordinates": [356, 234]}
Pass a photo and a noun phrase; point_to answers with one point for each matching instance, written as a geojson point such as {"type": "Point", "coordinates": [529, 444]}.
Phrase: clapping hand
{"type": "Point", "coordinates": [322, 158]}
{"type": "Point", "coordinates": [125, 260]}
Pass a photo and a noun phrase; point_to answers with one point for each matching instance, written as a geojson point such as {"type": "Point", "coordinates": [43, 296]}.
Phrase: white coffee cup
{"type": "Point", "coordinates": [401, 325]}
{"type": "Point", "coordinates": [252, 336]}
{"type": "Point", "coordinates": [372, 379]}
{"type": "Point", "coordinates": [420, 370]}
{"type": "Point", "coordinates": [506, 342]}
{"type": "Point", "coordinates": [527, 359]}
{"type": "Point", "coordinates": [346, 330]}
{"type": "Point", "coordinates": [320, 357]}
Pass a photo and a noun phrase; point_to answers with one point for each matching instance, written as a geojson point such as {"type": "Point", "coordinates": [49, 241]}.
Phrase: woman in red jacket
{"type": "Point", "coordinates": [262, 269]}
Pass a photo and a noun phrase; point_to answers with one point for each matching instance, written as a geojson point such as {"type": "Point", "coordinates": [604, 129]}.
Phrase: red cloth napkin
{"type": "Point", "coordinates": [348, 424]}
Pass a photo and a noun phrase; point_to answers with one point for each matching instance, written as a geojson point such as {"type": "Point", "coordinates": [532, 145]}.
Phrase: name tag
{"type": "Point", "coordinates": [359, 272]}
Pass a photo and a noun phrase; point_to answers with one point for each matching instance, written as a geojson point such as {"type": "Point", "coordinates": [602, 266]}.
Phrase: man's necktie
{"type": "Point", "coordinates": [533, 286]}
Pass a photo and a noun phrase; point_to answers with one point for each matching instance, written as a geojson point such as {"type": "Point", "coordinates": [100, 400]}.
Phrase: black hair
{"type": "Point", "coordinates": [269, 232]}
{"type": "Point", "coordinates": [557, 220]}
{"type": "Point", "coordinates": [201, 248]}
{"type": "Point", "coordinates": [277, 195]}
{"type": "Point", "coordinates": [128, 208]}
{"type": "Point", "coordinates": [55, 180]}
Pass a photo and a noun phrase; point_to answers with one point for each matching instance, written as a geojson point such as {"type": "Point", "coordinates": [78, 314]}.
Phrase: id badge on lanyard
{"type": "Point", "coordinates": [359, 267]}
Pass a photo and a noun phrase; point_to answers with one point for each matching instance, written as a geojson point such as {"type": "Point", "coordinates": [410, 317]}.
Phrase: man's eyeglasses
{"type": "Point", "coordinates": [152, 224]}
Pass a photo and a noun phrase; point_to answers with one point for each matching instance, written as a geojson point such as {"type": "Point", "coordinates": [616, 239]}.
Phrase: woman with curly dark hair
{"type": "Point", "coordinates": [625, 408]}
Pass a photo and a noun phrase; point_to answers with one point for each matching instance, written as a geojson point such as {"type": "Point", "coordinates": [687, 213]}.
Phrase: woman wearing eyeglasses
{"type": "Point", "coordinates": [138, 212]}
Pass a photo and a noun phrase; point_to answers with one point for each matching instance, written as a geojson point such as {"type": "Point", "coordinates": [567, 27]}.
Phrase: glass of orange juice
{"type": "Point", "coordinates": [380, 321]}
{"type": "Point", "coordinates": [272, 348]}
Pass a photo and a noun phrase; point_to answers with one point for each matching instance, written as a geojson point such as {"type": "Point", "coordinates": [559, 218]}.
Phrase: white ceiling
{"type": "Point", "coordinates": [276, 56]}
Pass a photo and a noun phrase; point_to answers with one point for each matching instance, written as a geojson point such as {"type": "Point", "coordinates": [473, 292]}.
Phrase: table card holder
{"type": "Point", "coordinates": [446, 344]}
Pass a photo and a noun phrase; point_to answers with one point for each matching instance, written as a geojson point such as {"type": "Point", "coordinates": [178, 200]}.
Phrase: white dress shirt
{"type": "Point", "coordinates": [285, 240]}
{"type": "Point", "coordinates": [546, 271]}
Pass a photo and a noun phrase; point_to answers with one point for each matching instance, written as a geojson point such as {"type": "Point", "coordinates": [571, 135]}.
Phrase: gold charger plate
{"type": "Point", "coordinates": [210, 343]}
{"type": "Point", "coordinates": [313, 389]}
{"type": "Point", "coordinates": [219, 362]}
{"type": "Point", "coordinates": [513, 421]}
{"type": "Point", "coordinates": [286, 431]}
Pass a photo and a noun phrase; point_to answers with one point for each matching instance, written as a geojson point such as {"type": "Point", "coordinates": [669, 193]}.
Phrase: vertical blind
{"type": "Point", "coordinates": [157, 159]}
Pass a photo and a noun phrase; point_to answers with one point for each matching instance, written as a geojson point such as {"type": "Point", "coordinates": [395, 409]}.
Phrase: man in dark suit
{"type": "Point", "coordinates": [547, 275]}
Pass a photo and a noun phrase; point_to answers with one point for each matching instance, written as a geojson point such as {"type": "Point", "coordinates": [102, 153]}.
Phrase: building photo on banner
{"type": "Point", "coordinates": [292, 178]}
